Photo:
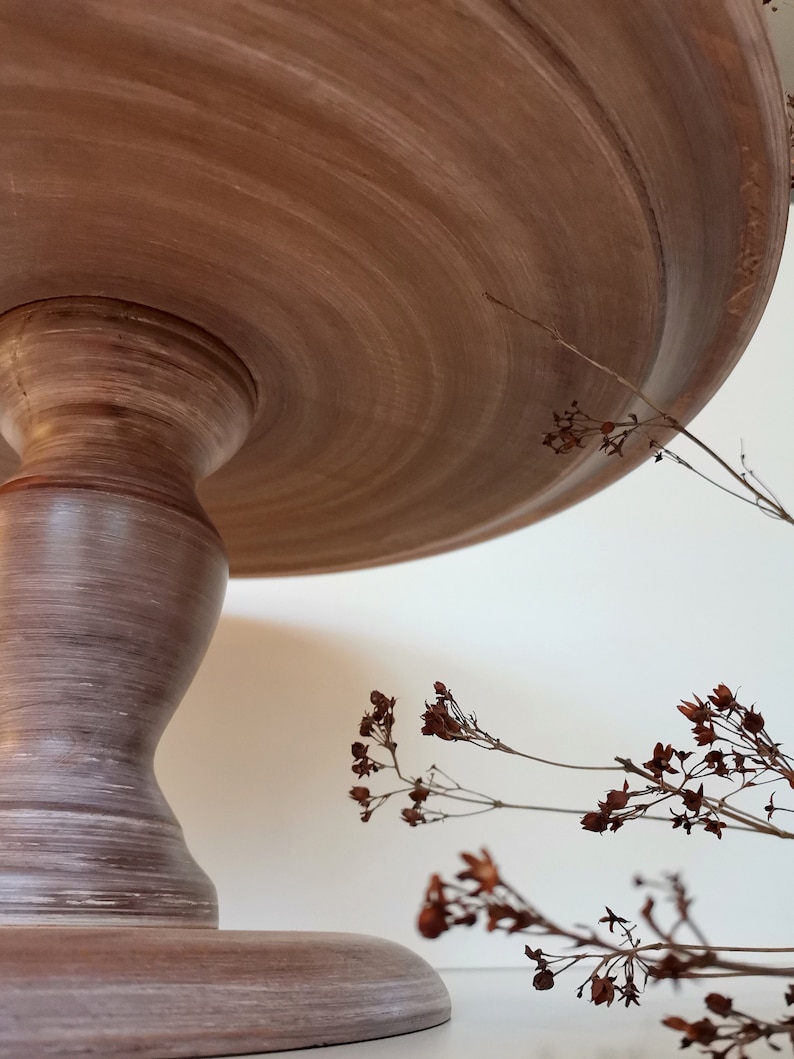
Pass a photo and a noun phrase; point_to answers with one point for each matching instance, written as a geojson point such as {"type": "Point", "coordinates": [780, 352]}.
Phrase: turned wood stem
{"type": "Point", "coordinates": [111, 583]}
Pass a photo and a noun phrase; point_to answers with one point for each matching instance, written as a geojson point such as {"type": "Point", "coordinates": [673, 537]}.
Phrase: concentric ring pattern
{"type": "Point", "coordinates": [330, 188]}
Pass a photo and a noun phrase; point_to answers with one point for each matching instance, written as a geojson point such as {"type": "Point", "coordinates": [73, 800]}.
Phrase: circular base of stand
{"type": "Point", "coordinates": [158, 994]}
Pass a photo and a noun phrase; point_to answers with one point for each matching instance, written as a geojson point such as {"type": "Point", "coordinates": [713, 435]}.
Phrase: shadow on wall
{"type": "Point", "coordinates": [256, 752]}
{"type": "Point", "coordinates": [256, 766]}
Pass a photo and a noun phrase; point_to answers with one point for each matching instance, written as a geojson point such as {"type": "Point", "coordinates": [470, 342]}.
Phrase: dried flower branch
{"type": "Point", "coordinates": [480, 894]}
{"type": "Point", "coordinates": [732, 749]}
{"type": "Point", "coordinates": [619, 963]}
{"type": "Point", "coordinates": [737, 1029]}
{"type": "Point", "coordinates": [733, 746]}
{"type": "Point", "coordinates": [445, 720]}
{"type": "Point", "coordinates": [574, 428]}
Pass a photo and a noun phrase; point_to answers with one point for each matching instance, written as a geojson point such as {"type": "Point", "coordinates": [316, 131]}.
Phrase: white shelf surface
{"type": "Point", "coordinates": [498, 1015]}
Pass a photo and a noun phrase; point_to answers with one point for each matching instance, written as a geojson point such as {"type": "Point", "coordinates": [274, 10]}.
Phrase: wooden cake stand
{"type": "Point", "coordinates": [244, 245]}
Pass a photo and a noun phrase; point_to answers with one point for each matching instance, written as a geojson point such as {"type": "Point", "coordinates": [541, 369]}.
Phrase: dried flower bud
{"type": "Point", "coordinates": [682, 820]}
{"type": "Point", "coordinates": [704, 734]}
{"type": "Point", "coordinates": [439, 723]}
{"type": "Point", "coordinates": [616, 799]}
{"type": "Point", "coordinates": [714, 826]}
{"type": "Point", "coordinates": [693, 799]}
{"type": "Point", "coordinates": [720, 1005]}
{"type": "Point", "coordinates": [364, 767]}
{"type": "Point", "coordinates": [696, 711]}
{"type": "Point", "coordinates": [702, 1032]}
{"type": "Point", "coordinates": [630, 994]}
{"type": "Point", "coordinates": [753, 722]}
{"type": "Point", "coordinates": [481, 870]}
{"type": "Point", "coordinates": [597, 822]}
{"type": "Point", "coordinates": [413, 817]}
{"type": "Point", "coordinates": [432, 921]}
{"type": "Point", "coordinates": [602, 990]}
{"type": "Point", "coordinates": [383, 707]}
{"type": "Point", "coordinates": [433, 918]}
{"type": "Point", "coordinates": [722, 698]}
{"type": "Point", "coordinates": [715, 759]}
{"type": "Point", "coordinates": [660, 762]}
{"type": "Point", "coordinates": [543, 980]}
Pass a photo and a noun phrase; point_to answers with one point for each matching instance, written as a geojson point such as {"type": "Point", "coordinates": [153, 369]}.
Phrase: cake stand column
{"type": "Point", "coordinates": [111, 583]}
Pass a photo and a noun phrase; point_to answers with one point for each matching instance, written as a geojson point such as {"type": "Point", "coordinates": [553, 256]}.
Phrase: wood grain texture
{"type": "Point", "coordinates": [163, 994]}
{"type": "Point", "coordinates": [111, 583]}
{"type": "Point", "coordinates": [330, 187]}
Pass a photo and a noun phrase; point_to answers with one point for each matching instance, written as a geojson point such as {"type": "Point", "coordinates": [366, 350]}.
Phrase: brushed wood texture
{"type": "Point", "coordinates": [329, 187]}
{"type": "Point", "coordinates": [163, 994]}
{"type": "Point", "coordinates": [111, 582]}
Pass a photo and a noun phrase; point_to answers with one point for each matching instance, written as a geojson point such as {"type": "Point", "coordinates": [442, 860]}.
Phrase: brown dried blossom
{"type": "Point", "coordinates": [753, 722]}
{"type": "Point", "coordinates": [732, 747]}
{"type": "Point", "coordinates": [598, 822]}
{"type": "Point", "coordinates": [719, 1004]}
{"type": "Point", "coordinates": [729, 1038]}
{"type": "Point", "coordinates": [738, 749]}
{"type": "Point", "coordinates": [443, 719]}
{"type": "Point", "coordinates": [481, 870]}
{"type": "Point", "coordinates": [439, 723]}
{"type": "Point", "coordinates": [740, 754]}
{"type": "Point", "coordinates": [702, 1032]}
{"type": "Point", "coordinates": [413, 816]}
{"type": "Point", "coordinates": [433, 920]}
{"type": "Point", "coordinates": [574, 429]}
{"type": "Point", "coordinates": [736, 745]}
{"type": "Point", "coordinates": [380, 756]}
{"type": "Point", "coordinates": [660, 761]}
{"type": "Point", "coordinates": [624, 963]}
{"type": "Point", "coordinates": [602, 990]}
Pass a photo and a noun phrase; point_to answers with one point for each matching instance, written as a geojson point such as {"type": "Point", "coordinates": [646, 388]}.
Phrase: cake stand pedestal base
{"type": "Point", "coordinates": [111, 582]}
{"type": "Point", "coordinates": [166, 993]}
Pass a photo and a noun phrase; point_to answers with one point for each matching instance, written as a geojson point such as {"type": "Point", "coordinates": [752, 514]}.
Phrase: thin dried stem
{"type": "Point", "coordinates": [763, 498]}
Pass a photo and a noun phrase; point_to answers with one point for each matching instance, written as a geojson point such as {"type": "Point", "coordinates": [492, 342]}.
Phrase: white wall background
{"type": "Point", "coordinates": [574, 638]}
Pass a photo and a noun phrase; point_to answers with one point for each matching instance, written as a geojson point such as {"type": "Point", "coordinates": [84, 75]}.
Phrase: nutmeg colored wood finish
{"type": "Point", "coordinates": [111, 582]}
{"type": "Point", "coordinates": [312, 198]}
{"type": "Point", "coordinates": [328, 186]}
{"type": "Point", "coordinates": [162, 994]}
